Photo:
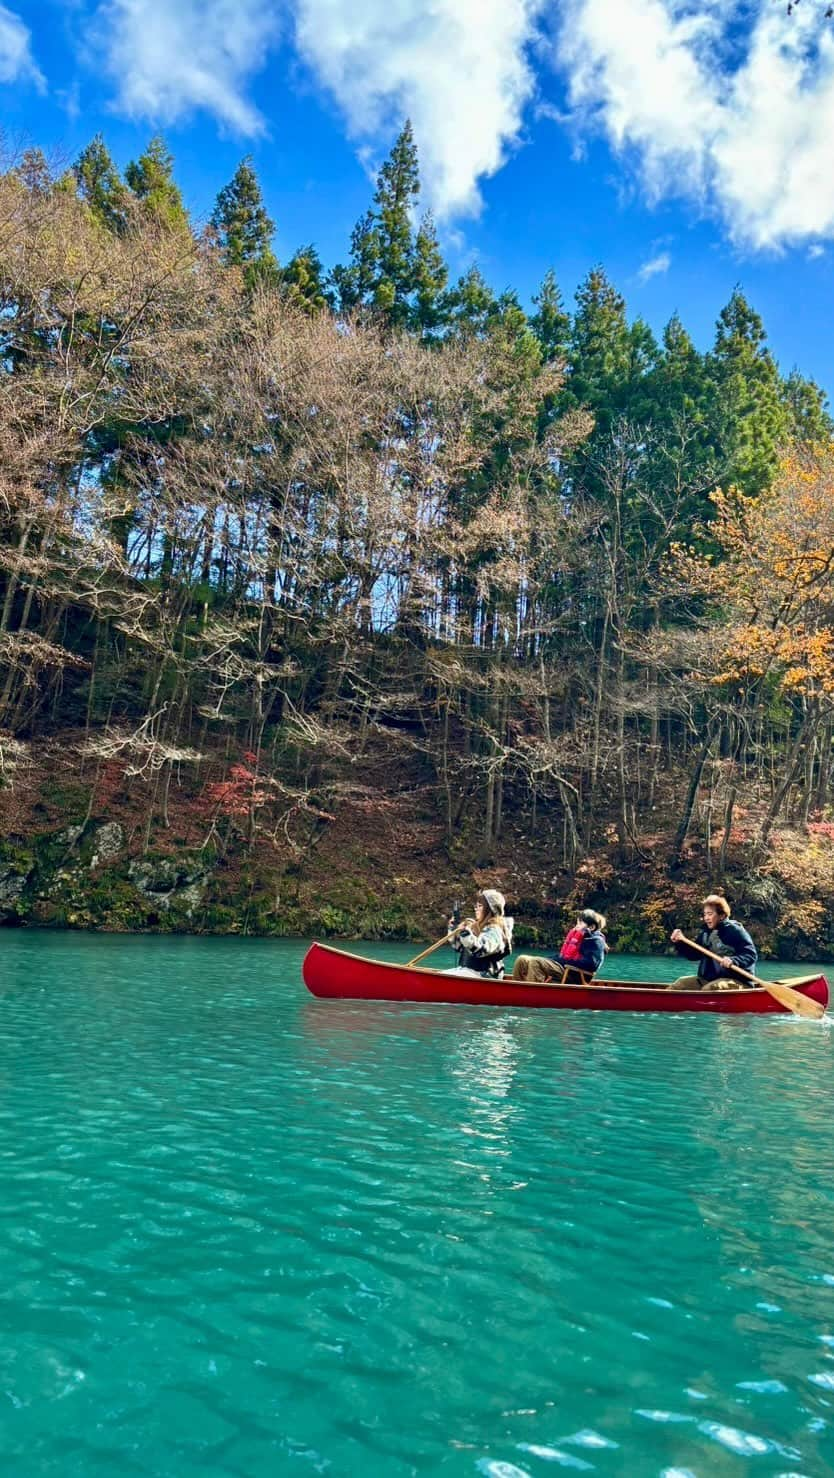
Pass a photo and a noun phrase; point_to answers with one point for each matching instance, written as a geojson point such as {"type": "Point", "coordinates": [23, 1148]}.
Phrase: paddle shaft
{"type": "Point", "coordinates": [447, 939]}
{"type": "Point", "coordinates": [784, 994]}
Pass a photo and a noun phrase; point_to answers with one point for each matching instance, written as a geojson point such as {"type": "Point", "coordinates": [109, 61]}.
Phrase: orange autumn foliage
{"type": "Point", "coordinates": [773, 576]}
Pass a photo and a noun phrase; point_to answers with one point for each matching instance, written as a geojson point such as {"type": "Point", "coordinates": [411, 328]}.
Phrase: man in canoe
{"type": "Point", "coordinates": [582, 953]}
{"type": "Point", "coordinates": [722, 935]}
{"type": "Point", "coordinates": [483, 943]}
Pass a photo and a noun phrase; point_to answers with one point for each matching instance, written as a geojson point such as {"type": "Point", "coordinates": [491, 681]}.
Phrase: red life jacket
{"type": "Point", "coordinates": [572, 947]}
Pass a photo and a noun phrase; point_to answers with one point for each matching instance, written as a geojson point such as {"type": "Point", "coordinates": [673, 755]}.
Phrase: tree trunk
{"type": "Point", "coordinates": [791, 769]}
{"type": "Point", "coordinates": [824, 768]}
{"type": "Point", "coordinates": [691, 796]}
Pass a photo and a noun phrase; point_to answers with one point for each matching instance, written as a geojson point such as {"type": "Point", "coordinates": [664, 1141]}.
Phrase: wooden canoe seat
{"type": "Point", "coordinates": [580, 977]}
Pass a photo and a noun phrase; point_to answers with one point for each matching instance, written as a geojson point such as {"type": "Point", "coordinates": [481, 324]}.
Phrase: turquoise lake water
{"type": "Point", "coordinates": [243, 1232]}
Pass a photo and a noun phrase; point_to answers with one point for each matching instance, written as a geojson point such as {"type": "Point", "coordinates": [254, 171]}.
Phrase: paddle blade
{"type": "Point", "coordinates": [793, 1001]}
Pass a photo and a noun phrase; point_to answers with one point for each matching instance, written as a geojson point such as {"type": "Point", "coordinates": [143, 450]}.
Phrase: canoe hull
{"type": "Point", "coordinates": [335, 974]}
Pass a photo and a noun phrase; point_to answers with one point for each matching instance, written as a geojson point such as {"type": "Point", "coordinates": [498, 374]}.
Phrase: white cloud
{"type": "Point", "coordinates": [169, 57]}
{"type": "Point", "coordinates": [717, 101]}
{"type": "Point", "coordinates": [655, 266]}
{"type": "Point", "coordinates": [16, 61]}
{"type": "Point", "coordinates": [458, 68]}
{"type": "Point", "coordinates": [815, 251]}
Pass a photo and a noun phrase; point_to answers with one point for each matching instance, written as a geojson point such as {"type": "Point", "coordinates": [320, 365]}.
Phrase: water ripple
{"type": "Point", "coordinates": [244, 1232]}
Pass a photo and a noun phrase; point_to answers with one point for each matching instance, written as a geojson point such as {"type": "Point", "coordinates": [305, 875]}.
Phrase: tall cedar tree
{"type": "Point", "coordinates": [599, 371]}
{"type": "Point", "coordinates": [751, 420]}
{"type": "Point", "coordinates": [600, 349]}
{"type": "Point", "coordinates": [151, 179]}
{"type": "Point", "coordinates": [304, 281]}
{"type": "Point", "coordinates": [396, 272]}
{"type": "Point", "coordinates": [807, 407]}
{"type": "Point", "coordinates": [551, 326]}
{"type": "Point", "coordinates": [550, 323]}
{"type": "Point", "coordinates": [428, 308]}
{"type": "Point", "coordinates": [681, 398]}
{"type": "Point", "coordinates": [243, 226]}
{"type": "Point", "coordinates": [471, 303]}
{"type": "Point", "coordinates": [100, 185]}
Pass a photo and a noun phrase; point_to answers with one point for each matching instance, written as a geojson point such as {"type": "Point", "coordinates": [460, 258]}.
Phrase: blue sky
{"type": "Point", "coordinates": [684, 144]}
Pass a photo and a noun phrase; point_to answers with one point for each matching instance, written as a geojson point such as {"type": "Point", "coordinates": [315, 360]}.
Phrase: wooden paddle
{"type": "Point", "coordinates": [790, 999]}
{"type": "Point", "coordinates": [447, 939]}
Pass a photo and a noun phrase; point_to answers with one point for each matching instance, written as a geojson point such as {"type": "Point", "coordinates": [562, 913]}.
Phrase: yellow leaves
{"type": "Point", "coordinates": [804, 918]}
{"type": "Point", "coordinates": [809, 659]}
{"type": "Point", "coordinates": [802, 658]}
{"type": "Point", "coordinates": [774, 576]}
{"type": "Point", "coordinates": [806, 865]}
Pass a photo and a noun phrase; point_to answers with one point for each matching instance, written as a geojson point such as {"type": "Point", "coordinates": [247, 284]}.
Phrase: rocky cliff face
{"type": "Point", "coordinates": [83, 877]}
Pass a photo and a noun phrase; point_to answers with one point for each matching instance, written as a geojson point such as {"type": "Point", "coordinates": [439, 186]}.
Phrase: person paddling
{"type": "Point", "coordinates": [722, 935]}
{"type": "Point", "coordinates": [483, 942]}
{"type": "Point", "coordinates": [583, 950]}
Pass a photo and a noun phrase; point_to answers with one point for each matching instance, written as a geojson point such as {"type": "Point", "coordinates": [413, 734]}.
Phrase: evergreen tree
{"type": "Point", "coordinates": [807, 408]}
{"type": "Point", "coordinates": [303, 281]}
{"type": "Point", "coordinates": [396, 272]}
{"type": "Point", "coordinates": [601, 349]}
{"type": "Point", "coordinates": [681, 397]}
{"type": "Point", "coordinates": [551, 326]}
{"type": "Point", "coordinates": [550, 323]}
{"type": "Point", "coordinates": [750, 418]}
{"type": "Point", "coordinates": [428, 310]}
{"type": "Point", "coordinates": [609, 368]}
{"type": "Point", "coordinates": [510, 326]}
{"type": "Point", "coordinates": [240, 219]}
{"type": "Point", "coordinates": [680, 384]}
{"type": "Point", "coordinates": [100, 185]}
{"type": "Point", "coordinates": [471, 303]}
{"type": "Point", "coordinates": [610, 362]}
{"type": "Point", "coordinates": [612, 365]}
{"type": "Point", "coordinates": [397, 192]}
{"type": "Point", "coordinates": [672, 420]}
{"type": "Point", "coordinates": [150, 178]}
{"type": "Point", "coordinates": [355, 284]}
{"type": "Point", "coordinates": [643, 355]}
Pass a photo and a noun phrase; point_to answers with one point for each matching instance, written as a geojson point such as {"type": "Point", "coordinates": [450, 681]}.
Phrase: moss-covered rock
{"type": "Point", "coordinates": [17, 867]}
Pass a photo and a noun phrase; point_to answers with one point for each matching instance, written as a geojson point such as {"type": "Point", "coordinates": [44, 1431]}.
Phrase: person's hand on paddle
{"type": "Point", "coordinates": [676, 936]}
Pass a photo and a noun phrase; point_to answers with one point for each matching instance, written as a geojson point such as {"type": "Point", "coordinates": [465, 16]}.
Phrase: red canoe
{"type": "Point", "coordinates": [337, 975]}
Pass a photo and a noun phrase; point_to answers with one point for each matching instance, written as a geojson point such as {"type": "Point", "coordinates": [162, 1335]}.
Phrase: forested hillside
{"type": "Point", "coordinates": [327, 591]}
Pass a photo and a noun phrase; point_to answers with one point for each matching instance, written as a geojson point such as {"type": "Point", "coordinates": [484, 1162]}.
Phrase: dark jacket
{"type": "Point", "coordinates": [591, 953]}
{"type": "Point", "coordinates": [735, 943]}
{"type": "Point", "coordinates": [485, 952]}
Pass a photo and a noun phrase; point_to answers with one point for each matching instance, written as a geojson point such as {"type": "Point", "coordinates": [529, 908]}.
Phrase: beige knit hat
{"type": "Point", "coordinates": [495, 901]}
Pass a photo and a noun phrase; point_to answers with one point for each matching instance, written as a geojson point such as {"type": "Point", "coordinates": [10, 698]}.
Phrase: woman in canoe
{"type": "Point", "coordinates": [583, 950]}
{"type": "Point", "coordinates": [483, 943]}
{"type": "Point", "coordinates": [723, 936]}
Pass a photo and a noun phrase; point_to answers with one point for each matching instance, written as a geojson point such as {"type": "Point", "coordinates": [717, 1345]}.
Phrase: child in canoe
{"type": "Point", "coordinates": [583, 950]}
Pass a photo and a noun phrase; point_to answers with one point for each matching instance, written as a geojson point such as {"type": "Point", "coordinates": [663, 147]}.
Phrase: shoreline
{"type": "Point", "coordinates": [103, 931]}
